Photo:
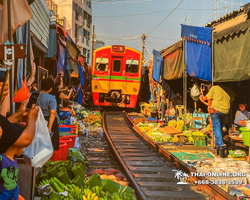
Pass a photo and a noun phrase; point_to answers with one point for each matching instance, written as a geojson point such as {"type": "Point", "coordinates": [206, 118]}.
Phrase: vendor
{"type": "Point", "coordinates": [241, 114]}
{"type": "Point", "coordinates": [65, 113]}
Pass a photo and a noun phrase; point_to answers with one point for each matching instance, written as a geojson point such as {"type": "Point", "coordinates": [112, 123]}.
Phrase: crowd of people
{"type": "Point", "coordinates": [54, 102]}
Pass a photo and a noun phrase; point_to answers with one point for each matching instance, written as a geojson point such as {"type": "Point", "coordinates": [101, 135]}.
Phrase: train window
{"type": "Point", "coordinates": [116, 65]}
{"type": "Point", "coordinates": [132, 66]}
{"type": "Point", "coordinates": [102, 64]}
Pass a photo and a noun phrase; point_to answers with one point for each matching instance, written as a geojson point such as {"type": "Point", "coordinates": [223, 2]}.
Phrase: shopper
{"type": "Point", "coordinates": [221, 106]}
{"type": "Point", "coordinates": [57, 90]}
{"type": "Point", "coordinates": [47, 103]}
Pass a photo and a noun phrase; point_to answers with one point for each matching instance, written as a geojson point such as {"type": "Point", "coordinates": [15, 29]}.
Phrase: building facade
{"type": "Point", "coordinates": [76, 18]}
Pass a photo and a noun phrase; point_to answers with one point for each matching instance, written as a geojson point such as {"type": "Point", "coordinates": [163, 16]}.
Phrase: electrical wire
{"type": "Point", "coordinates": [116, 1]}
{"type": "Point", "coordinates": [162, 38]}
{"type": "Point", "coordinates": [153, 29]}
{"type": "Point", "coordinates": [149, 13]}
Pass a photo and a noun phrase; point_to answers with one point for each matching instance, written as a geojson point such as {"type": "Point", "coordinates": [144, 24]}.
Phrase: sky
{"type": "Point", "coordinates": [124, 21]}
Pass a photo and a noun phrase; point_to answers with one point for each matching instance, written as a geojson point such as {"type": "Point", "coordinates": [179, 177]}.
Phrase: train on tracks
{"type": "Point", "coordinates": [116, 76]}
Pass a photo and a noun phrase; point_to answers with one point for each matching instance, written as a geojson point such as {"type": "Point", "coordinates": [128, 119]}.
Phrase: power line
{"type": "Point", "coordinates": [162, 38]}
{"type": "Point", "coordinates": [153, 29]}
{"type": "Point", "coordinates": [148, 13]}
{"type": "Point", "coordinates": [108, 2]}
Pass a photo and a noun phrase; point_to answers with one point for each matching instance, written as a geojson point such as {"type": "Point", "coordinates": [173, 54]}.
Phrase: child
{"type": "Point", "coordinates": [9, 173]}
{"type": "Point", "coordinates": [241, 114]}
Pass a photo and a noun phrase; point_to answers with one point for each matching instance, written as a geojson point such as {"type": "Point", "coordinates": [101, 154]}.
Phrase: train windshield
{"type": "Point", "coordinates": [132, 66]}
{"type": "Point", "coordinates": [102, 64]}
{"type": "Point", "coordinates": [116, 65]}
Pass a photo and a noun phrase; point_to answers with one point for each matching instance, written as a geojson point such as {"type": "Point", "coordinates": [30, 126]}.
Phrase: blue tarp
{"type": "Point", "coordinates": [81, 74]}
{"type": "Point", "coordinates": [198, 51]}
{"type": "Point", "coordinates": [61, 59]}
{"type": "Point", "coordinates": [157, 66]}
{"type": "Point", "coordinates": [197, 33]}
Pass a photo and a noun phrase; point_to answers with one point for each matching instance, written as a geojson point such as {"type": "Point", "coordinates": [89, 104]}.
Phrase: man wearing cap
{"type": "Point", "coordinates": [220, 105]}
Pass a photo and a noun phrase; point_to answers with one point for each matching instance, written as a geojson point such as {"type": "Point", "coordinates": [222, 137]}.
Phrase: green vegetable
{"type": "Point", "coordinates": [76, 157]}
{"type": "Point", "coordinates": [111, 187]}
{"type": "Point", "coordinates": [52, 171]}
{"type": "Point", "coordinates": [94, 180]}
{"type": "Point", "coordinates": [44, 177]}
{"type": "Point", "coordinates": [78, 170]}
{"type": "Point", "coordinates": [63, 176]}
{"type": "Point", "coordinates": [78, 181]}
{"type": "Point", "coordinates": [68, 165]}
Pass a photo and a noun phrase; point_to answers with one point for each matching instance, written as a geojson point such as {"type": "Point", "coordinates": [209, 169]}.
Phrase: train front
{"type": "Point", "coordinates": [116, 76]}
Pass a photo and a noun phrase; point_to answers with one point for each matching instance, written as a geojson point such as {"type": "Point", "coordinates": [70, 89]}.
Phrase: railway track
{"type": "Point", "coordinates": [150, 175]}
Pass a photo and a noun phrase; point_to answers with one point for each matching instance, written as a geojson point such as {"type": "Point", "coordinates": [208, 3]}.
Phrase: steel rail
{"type": "Point", "coordinates": [138, 191]}
{"type": "Point", "coordinates": [213, 191]}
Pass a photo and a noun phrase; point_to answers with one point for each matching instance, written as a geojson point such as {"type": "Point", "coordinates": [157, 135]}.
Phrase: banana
{"type": "Point", "coordinates": [84, 197]}
{"type": "Point", "coordinates": [92, 196]}
{"type": "Point", "coordinates": [88, 198]}
{"type": "Point", "coordinates": [96, 198]}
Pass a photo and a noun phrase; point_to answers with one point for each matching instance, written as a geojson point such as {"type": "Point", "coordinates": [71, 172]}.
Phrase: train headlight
{"type": "Point", "coordinates": [95, 87]}
{"type": "Point", "coordinates": [134, 89]}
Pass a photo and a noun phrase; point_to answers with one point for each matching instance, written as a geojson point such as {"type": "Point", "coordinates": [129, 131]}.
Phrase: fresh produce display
{"type": "Point", "coordinates": [198, 135]}
{"type": "Point", "coordinates": [92, 118]}
{"type": "Point", "coordinates": [76, 157]}
{"type": "Point", "coordinates": [188, 134]}
{"type": "Point", "coordinates": [177, 124]}
{"type": "Point", "coordinates": [140, 120]}
{"type": "Point", "coordinates": [62, 180]}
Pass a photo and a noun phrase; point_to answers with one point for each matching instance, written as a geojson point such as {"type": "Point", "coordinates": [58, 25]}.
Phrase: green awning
{"type": "Point", "coordinates": [232, 57]}
{"type": "Point", "coordinates": [173, 61]}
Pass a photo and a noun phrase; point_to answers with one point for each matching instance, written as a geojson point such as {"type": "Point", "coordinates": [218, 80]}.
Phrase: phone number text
{"type": "Point", "coordinates": [219, 182]}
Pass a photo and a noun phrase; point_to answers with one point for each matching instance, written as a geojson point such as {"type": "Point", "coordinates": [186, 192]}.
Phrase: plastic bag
{"type": "Point", "coordinates": [195, 92]}
{"type": "Point", "coordinates": [40, 150]}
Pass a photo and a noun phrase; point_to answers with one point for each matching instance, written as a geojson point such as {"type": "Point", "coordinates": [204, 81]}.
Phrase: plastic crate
{"type": "Point", "coordinates": [199, 143]}
{"type": "Point", "coordinates": [98, 132]}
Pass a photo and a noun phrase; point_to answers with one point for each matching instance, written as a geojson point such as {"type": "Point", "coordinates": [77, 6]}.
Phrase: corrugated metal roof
{"type": "Point", "coordinates": [230, 24]}
{"type": "Point", "coordinates": [226, 17]}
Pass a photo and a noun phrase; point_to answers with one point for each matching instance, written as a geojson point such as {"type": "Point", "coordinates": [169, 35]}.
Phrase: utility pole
{"type": "Point", "coordinates": [143, 37]}
{"type": "Point", "coordinates": [93, 42]}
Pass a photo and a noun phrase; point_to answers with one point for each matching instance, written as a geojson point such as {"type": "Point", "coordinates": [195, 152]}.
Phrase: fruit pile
{"type": "Point", "coordinates": [177, 124]}
{"type": "Point", "coordinates": [92, 118]}
{"type": "Point", "coordinates": [66, 181]}
{"type": "Point", "coordinates": [140, 120]}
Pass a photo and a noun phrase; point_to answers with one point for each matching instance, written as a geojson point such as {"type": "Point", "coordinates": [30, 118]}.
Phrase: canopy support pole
{"type": "Point", "coordinates": [11, 70]}
{"type": "Point", "coordinates": [212, 63]}
{"type": "Point", "coordinates": [185, 86]}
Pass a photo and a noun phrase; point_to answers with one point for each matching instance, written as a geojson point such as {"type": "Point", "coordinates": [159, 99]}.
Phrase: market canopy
{"type": "Point", "coordinates": [198, 51]}
{"type": "Point", "coordinates": [231, 50]}
{"type": "Point", "coordinates": [156, 65]}
{"type": "Point", "coordinates": [173, 61]}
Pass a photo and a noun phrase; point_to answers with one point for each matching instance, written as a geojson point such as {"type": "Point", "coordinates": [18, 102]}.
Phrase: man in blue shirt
{"type": "Point", "coordinates": [48, 105]}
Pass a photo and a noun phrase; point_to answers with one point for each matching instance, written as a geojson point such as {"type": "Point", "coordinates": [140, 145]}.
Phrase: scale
{"type": "Point", "coordinates": [180, 108]}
